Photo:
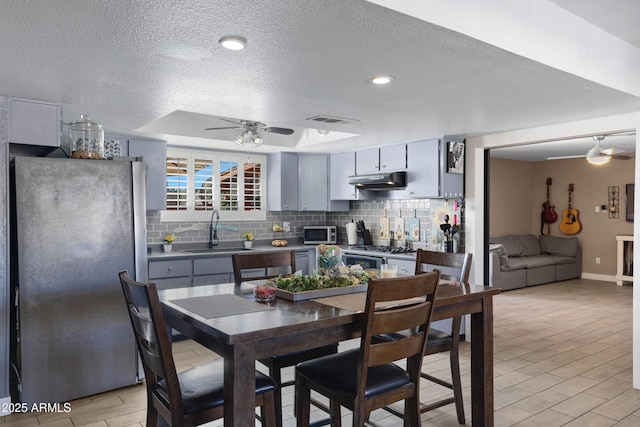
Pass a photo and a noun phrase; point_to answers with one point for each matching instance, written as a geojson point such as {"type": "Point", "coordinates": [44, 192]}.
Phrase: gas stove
{"type": "Point", "coordinates": [384, 249]}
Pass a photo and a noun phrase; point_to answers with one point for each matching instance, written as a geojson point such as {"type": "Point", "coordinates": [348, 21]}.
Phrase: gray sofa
{"type": "Point", "coordinates": [516, 261]}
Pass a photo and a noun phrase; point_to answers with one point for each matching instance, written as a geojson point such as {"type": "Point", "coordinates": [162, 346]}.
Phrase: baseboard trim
{"type": "Point", "coordinates": [601, 277]}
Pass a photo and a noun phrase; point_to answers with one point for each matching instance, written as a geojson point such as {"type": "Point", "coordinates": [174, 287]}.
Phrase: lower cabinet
{"type": "Point", "coordinates": [212, 270]}
{"type": "Point", "coordinates": [169, 274]}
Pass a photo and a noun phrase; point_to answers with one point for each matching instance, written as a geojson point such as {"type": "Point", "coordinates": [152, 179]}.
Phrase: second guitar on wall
{"type": "Point", "coordinates": [570, 223]}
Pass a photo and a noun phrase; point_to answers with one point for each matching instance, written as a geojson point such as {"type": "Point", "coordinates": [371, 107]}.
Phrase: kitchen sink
{"type": "Point", "coordinates": [213, 250]}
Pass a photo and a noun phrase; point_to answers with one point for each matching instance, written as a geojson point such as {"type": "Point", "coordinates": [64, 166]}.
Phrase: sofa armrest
{"type": "Point", "coordinates": [495, 276]}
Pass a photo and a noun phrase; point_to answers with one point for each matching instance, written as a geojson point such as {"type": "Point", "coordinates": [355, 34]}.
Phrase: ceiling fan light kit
{"type": "Point", "coordinates": [598, 158]}
{"type": "Point", "coordinates": [249, 134]}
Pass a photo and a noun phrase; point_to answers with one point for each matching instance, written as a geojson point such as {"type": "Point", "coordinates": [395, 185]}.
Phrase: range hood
{"type": "Point", "coordinates": [380, 181]}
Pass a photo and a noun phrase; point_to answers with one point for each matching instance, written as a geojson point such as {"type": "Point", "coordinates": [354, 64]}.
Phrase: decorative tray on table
{"type": "Point", "coordinates": [299, 288]}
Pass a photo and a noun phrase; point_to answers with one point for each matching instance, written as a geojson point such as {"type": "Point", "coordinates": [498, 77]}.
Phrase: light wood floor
{"type": "Point", "coordinates": [562, 358]}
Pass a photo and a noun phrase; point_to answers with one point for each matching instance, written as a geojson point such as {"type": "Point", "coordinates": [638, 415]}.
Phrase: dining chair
{"type": "Point", "coordinates": [367, 378]}
{"type": "Point", "coordinates": [248, 266]}
{"type": "Point", "coordinates": [453, 267]}
{"type": "Point", "coordinates": [189, 398]}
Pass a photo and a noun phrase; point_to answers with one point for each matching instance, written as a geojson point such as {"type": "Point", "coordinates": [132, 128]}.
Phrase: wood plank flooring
{"type": "Point", "coordinates": [562, 358]}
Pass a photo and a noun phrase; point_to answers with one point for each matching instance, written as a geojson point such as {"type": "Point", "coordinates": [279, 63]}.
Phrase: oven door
{"type": "Point", "coordinates": [363, 260]}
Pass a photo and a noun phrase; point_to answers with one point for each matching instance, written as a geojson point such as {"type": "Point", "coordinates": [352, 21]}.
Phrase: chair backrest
{"type": "Point", "coordinates": [413, 317]}
{"type": "Point", "coordinates": [263, 265]}
{"type": "Point", "coordinates": [452, 266]}
{"type": "Point", "coordinates": [152, 339]}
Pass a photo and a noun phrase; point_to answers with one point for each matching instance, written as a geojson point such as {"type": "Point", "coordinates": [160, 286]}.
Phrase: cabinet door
{"type": "Point", "coordinates": [154, 153]}
{"type": "Point", "coordinates": [282, 182]}
{"type": "Point", "coordinates": [367, 161]}
{"type": "Point", "coordinates": [34, 122]}
{"type": "Point", "coordinates": [341, 167]}
{"type": "Point", "coordinates": [313, 182]}
{"type": "Point", "coordinates": [423, 169]}
{"type": "Point", "coordinates": [393, 158]}
{"type": "Point", "coordinates": [302, 262]}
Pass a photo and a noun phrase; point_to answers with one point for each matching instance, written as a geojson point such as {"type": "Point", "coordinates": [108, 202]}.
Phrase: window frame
{"type": "Point", "coordinates": [190, 214]}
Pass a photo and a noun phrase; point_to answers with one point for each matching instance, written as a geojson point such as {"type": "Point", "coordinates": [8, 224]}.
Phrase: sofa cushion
{"type": "Point", "coordinates": [563, 259]}
{"type": "Point", "coordinates": [530, 244]}
{"type": "Point", "coordinates": [562, 246]}
{"type": "Point", "coordinates": [538, 261]}
{"type": "Point", "coordinates": [499, 250]}
{"type": "Point", "coordinates": [518, 245]}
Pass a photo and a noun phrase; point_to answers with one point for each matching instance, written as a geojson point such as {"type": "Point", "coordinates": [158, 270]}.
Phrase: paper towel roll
{"type": "Point", "coordinates": [352, 236]}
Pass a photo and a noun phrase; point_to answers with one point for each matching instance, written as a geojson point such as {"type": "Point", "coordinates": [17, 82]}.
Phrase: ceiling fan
{"type": "Point", "coordinates": [598, 155]}
{"type": "Point", "coordinates": [250, 131]}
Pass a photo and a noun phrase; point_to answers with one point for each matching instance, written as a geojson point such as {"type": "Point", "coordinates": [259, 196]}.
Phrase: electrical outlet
{"type": "Point", "coordinates": [597, 209]}
{"type": "Point", "coordinates": [597, 260]}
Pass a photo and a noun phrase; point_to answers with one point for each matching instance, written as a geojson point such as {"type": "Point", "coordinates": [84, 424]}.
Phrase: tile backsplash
{"type": "Point", "coordinates": [430, 212]}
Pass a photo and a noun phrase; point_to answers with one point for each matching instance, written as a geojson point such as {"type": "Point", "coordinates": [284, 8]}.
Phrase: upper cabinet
{"type": "Point", "coordinates": [32, 122]}
{"type": "Point", "coordinates": [154, 154]}
{"type": "Point", "coordinates": [435, 169]}
{"type": "Point", "coordinates": [300, 182]}
{"type": "Point", "coordinates": [341, 167]}
{"type": "Point", "coordinates": [383, 159]}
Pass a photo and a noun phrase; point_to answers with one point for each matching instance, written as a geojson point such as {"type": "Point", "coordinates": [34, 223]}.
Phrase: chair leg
{"type": "Point", "coordinates": [152, 414]}
{"type": "Point", "coordinates": [455, 380]}
{"type": "Point", "coordinates": [411, 412]}
{"type": "Point", "coordinates": [276, 375]}
{"type": "Point", "coordinates": [268, 410]}
{"type": "Point", "coordinates": [335, 414]}
{"type": "Point", "coordinates": [303, 402]}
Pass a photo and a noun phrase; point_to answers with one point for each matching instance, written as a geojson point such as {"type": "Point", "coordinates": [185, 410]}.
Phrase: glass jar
{"type": "Point", "coordinates": [87, 139]}
{"type": "Point", "coordinates": [328, 260]}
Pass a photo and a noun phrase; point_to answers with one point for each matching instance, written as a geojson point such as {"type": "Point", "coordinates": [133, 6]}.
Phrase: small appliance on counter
{"type": "Point", "coordinates": [320, 234]}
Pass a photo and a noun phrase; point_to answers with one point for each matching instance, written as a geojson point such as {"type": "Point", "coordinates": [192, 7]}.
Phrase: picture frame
{"type": "Point", "coordinates": [455, 157]}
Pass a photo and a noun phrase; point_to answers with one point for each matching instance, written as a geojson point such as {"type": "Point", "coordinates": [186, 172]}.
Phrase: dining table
{"type": "Point", "coordinates": [227, 319]}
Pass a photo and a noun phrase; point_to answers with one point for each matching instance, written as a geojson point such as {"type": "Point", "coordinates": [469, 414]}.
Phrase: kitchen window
{"type": "Point", "coordinates": [199, 181]}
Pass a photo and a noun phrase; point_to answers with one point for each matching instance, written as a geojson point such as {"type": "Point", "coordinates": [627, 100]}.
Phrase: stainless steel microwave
{"type": "Point", "coordinates": [319, 234]}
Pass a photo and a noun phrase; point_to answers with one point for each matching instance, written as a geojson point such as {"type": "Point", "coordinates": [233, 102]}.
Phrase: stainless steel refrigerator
{"type": "Point", "coordinates": [74, 224]}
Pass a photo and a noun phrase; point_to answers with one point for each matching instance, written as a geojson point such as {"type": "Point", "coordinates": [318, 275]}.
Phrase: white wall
{"type": "Point", "coordinates": [475, 195]}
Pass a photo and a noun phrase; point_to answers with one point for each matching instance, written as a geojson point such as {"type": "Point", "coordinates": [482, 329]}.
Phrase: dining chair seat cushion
{"type": "Point", "coordinates": [435, 337]}
{"type": "Point", "coordinates": [202, 386]}
{"type": "Point", "coordinates": [292, 359]}
{"type": "Point", "coordinates": [338, 372]}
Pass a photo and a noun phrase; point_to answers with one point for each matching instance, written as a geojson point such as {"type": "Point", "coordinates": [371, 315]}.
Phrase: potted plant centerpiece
{"type": "Point", "coordinates": [169, 238]}
{"type": "Point", "coordinates": [248, 239]}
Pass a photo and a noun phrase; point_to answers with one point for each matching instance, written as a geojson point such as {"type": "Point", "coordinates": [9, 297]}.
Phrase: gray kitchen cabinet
{"type": "Point", "coordinates": [423, 170]}
{"type": "Point", "coordinates": [341, 167]}
{"type": "Point", "coordinates": [300, 182]}
{"type": "Point", "coordinates": [282, 182]}
{"type": "Point", "coordinates": [302, 261]}
{"type": "Point", "coordinates": [32, 122]}
{"type": "Point", "coordinates": [383, 159]}
{"type": "Point", "coordinates": [169, 274]}
{"type": "Point", "coordinates": [313, 173]}
{"type": "Point", "coordinates": [405, 267]}
{"type": "Point", "coordinates": [212, 270]}
{"type": "Point", "coordinates": [154, 154]}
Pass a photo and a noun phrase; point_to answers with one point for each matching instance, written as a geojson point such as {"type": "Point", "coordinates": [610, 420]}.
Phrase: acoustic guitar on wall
{"type": "Point", "coordinates": [570, 223]}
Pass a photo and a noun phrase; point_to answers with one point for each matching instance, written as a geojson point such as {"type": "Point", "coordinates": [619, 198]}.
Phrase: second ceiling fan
{"type": "Point", "coordinates": [250, 131]}
{"type": "Point", "coordinates": [599, 155]}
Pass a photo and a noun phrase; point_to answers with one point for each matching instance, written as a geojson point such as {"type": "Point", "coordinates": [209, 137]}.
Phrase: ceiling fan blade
{"type": "Point", "coordinates": [622, 156]}
{"type": "Point", "coordinates": [567, 157]}
{"type": "Point", "coordinates": [613, 150]}
{"type": "Point", "coordinates": [228, 127]}
{"type": "Point", "coordinates": [237, 122]}
{"type": "Point", "coordinates": [281, 131]}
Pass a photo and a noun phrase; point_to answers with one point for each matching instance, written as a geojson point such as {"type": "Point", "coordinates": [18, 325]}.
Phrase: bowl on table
{"type": "Point", "coordinates": [264, 293]}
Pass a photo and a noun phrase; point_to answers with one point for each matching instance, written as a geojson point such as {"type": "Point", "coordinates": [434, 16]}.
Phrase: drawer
{"type": "Point", "coordinates": [212, 279]}
{"type": "Point", "coordinates": [215, 265]}
{"type": "Point", "coordinates": [173, 283]}
{"type": "Point", "coordinates": [169, 268]}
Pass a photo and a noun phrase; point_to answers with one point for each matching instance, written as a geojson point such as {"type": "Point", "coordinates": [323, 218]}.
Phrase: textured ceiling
{"type": "Point", "coordinates": [134, 65]}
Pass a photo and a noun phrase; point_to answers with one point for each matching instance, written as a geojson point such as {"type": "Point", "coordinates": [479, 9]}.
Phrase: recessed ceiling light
{"type": "Point", "coordinates": [233, 42]}
{"type": "Point", "coordinates": [381, 80]}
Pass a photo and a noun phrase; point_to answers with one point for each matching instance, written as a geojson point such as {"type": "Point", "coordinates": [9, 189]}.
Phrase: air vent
{"type": "Point", "coordinates": [329, 119]}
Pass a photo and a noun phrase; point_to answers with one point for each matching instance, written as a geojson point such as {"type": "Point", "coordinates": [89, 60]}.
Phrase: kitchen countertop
{"type": "Point", "coordinates": [181, 253]}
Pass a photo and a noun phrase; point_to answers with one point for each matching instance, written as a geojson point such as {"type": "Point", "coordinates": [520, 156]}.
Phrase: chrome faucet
{"type": "Point", "coordinates": [213, 229]}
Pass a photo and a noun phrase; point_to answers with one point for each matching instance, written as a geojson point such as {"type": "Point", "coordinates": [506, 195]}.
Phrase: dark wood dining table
{"type": "Point", "coordinates": [241, 331]}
